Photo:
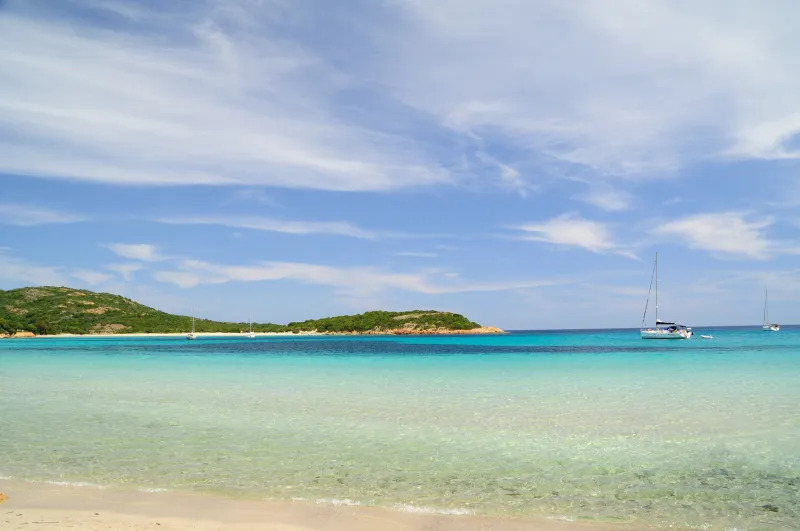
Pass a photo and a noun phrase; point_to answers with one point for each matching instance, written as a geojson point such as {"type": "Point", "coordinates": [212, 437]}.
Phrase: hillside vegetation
{"type": "Point", "coordinates": [60, 310]}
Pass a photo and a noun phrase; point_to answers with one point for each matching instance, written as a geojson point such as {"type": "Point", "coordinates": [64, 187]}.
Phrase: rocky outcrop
{"type": "Point", "coordinates": [22, 333]}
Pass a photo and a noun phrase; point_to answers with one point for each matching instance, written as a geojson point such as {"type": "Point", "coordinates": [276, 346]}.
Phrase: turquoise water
{"type": "Point", "coordinates": [585, 425]}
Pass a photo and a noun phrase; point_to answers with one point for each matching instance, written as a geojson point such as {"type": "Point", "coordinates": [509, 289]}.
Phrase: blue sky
{"type": "Point", "coordinates": [516, 161]}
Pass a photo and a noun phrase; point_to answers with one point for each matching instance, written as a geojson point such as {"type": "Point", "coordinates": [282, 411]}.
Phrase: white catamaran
{"type": "Point", "coordinates": [192, 335]}
{"type": "Point", "coordinates": [662, 329]}
{"type": "Point", "coordinates": [768, 327]}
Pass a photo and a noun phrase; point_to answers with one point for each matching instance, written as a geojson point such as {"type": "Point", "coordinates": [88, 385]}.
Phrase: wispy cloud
{"type": "Point", "coordinates": [299, 227]}
{"type": "Point", "coordinates": [253, 195]}
{"type": "Point", "coordinates": [724, 233]}
{"type": "Point", "coordinates": [607, 198]}
{"type": "Point", "coordinates": [19, 271]}
{"type": "Point", "coordinates": [91, 277]}
{"type": "Point", "coordinates": [347, 280]}
{"type": "Point", "coordinates": [573, 231]}
{"type": "Point", "coordinates": [635, 90]}
{"type": "Point", "coordinates": [416, 254]}
{"type": "Point", "coordinates": [337, 228]}
{"type": "Point", "coordinates": [126, 271]}
{"type": "Point", "coordinates": [784, 283]}
{"type": "Point", "coordinates": [136, 251]}
{"type": "Point", "coordinates": [221, 97]}
{"type": "Point", "coordinates": [30, 216]}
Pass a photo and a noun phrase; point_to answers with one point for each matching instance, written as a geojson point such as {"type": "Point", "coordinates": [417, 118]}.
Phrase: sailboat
{"type": "Point", "coordinates": [662, 329]}
{"type": "Point", "coordinates": [768, 327]}
{"type": "Point", "coordinates": [192, 335]}
{"type": "Point", "coordinates": [251, 334]}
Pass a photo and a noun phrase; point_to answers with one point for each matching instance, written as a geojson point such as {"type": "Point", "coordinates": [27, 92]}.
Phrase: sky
{"type": "Point", "coordinates": [517, 161]}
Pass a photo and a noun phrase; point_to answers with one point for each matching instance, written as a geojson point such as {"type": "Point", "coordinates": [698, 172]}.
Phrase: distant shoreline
{"type": "Point", "coordinates": [487, 330]}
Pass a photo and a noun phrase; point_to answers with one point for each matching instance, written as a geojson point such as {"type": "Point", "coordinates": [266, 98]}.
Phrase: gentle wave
{"type": "Point", "coordinates": [403, 507]}
{"type": "Point", "coordinates": [347, 502]}
{"type": "Point", "coordinates": [82, 484]}
{"type": "Point", "coordinates": [408, 508]}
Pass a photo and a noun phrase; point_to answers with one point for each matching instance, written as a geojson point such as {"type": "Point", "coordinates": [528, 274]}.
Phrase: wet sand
{"type": "Point", "coordinates": [32, 507]}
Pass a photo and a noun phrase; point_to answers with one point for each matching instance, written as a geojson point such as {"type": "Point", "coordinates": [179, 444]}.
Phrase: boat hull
{"type": "Point", "coordinates": [771, 328]}
{"type": "Point", "coordinates": [664, 334]}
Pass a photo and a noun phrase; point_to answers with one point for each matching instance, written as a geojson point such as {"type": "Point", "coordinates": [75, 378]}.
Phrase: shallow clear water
{"type": "Point", "coordinates": [596, 425]}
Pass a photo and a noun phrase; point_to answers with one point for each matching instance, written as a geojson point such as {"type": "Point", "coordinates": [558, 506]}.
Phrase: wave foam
{"type": "Point", "coordinates": [560, 518]}
{"type": "Point", "coordinates": [407, 508]}
{"type": "Point", "coordinates": [347, 502]}
{"type": "Point", "coordinates": [76, 484]}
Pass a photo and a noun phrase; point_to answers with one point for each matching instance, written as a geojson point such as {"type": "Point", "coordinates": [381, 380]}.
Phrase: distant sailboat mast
{"type": "Point", "coordinates": [772, 327]}
{"type": "Point", "coordinates": [250, 333]}
{"type": "Point", "coordinates": [192, 335]}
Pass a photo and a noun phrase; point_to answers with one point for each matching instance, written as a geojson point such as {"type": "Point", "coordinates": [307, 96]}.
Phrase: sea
{"type": "Point", "coordinates": [587, 425]}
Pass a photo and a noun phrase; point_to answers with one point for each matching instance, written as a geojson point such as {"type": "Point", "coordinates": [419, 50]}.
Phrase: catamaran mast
{"type": "Point", "coordinates": [766, 311]}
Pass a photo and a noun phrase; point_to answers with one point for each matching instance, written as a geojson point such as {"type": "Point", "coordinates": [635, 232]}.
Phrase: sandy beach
{"type": "Point", "coordinates": [183, 334]}
{"type": "Point", "coordinates": [482, 330]}
{"type": "Point", "coordinates": [60, 507]}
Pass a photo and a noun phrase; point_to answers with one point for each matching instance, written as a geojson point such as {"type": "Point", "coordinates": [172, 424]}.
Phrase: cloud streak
{"type": "Point", "coordinates": [570, 230]}
{"type": "Point", "coordinates": [22, 215]}
{"type": "Point", "coordinates": [635, 91]}
{"type": "Point", "coordinates": [347, 280]}
{"type": "Point", "coordinates": [335, 228]}
{"type": "Point", "coordinates": [731, 234]}
{"type": "Point", "coordinates": [218, 99]}
{"type": "Point", "coordinates": [136, 251]}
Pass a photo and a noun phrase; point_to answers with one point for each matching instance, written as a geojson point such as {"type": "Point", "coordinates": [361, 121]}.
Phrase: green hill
{"type": "Point", "coordinates": [59, 310]}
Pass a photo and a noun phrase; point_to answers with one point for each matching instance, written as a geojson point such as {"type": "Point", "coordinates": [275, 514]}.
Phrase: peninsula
{"type": "Point", "coordinates": [49, 310]}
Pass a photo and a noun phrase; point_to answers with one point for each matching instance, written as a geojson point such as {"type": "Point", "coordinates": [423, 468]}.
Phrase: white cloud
{"type": "Point", "coordinates": [416, 254]}
{"type": "Point", "coordinates": [136, 251]}
{"type": "Point", "coordinates": [254, 195]}
{"type": "Point", "coordinates": [347, 280]}
{"type": "Point", "coordinates": [183, 279]}
{"type": "Point", "coordinates": [632, 89]}
{"type": "Point", "coordinates": [725, 233]}
{"type": "Point", "coordinates": [17, 271]}
{"type": "Point", "coordinates": [91, 277]}
{"type": "Point", "coordinates": [607, 198]}
{"type": "Point", "coordinates": [126, 271]}
{"type": "Point", "coordinates": [221, 97]}
{"type": "Point", "coordinates": [574, 231]}
{"type": "Point", "coordinates": [30, 216]}
{"type": "Point", "coordinates": [338, 228]}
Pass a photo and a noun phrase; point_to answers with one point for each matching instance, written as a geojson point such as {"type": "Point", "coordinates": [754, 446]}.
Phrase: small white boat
{"type": "Point", "coordinates": [767, 326]}
{"type": "Point", "coordinates": [251, 334]}
{"type": "Point", "coordinates": [192, 335]}
{"type": "Point", "coordinates": [706, 337]}
{"type": "Point", "coordinates": [662, 329]}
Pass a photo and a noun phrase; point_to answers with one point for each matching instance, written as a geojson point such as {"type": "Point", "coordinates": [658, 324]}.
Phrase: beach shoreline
{"type": "Point", "coordinates": [398, 332]}
{"type": "Point", "coordinates": [34, 506]}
